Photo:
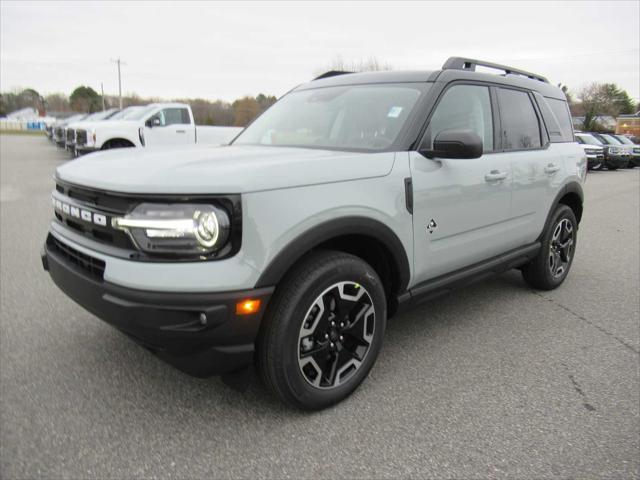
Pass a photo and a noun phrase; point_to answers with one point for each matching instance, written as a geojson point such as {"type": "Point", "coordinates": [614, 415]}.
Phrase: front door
{"type": "Point", "coordinates": [461, 207]}
{"type": "Point", "coordinates": [169, 126]}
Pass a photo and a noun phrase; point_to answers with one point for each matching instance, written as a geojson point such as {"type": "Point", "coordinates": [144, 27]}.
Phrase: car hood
{"type": "Point", "coordinates": [213, 170]}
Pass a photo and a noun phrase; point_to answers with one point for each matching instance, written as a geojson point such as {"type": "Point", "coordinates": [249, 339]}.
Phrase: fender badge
{"type": "Point", "coordinates": [432, 226]}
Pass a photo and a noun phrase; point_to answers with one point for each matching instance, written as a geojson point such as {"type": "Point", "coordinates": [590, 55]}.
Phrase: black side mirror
{"type": "Point", "coordinates": [455, 143]}
{"type": "Point", "coordinates": [153, 122]}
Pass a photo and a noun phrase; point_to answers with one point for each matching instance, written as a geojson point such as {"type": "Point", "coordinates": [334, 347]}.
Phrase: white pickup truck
{"type": "Point", "coordinates": [158, 124]}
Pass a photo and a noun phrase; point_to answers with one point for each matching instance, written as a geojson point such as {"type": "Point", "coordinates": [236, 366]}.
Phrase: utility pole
{"type": "Point", "coordinates": [102, 93]}
{"type": "Point", "coordinates": [119, 62]}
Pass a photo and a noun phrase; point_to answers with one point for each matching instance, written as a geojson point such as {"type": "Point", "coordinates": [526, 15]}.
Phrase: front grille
{"type": "Point", "coordinates": [636, 150]}
{"type": "Point", "coordinates": [89, 213]}
{"type": "Point", "coordinates": [59, 132]}
{"type": "Point", "coordinates": [81, 137]}
{"type": "Point", "coordinates": [70, 135]}
{"type": "Point", "coordinates": [90, 265]}
{"type": "Point", "coordinates": [85, 212]}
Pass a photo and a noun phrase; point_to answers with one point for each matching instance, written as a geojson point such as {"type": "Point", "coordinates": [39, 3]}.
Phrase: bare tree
{"type": "Point", "coordinates": [603, 99]}
{"type": "Point", "coordinates": [371, 64]}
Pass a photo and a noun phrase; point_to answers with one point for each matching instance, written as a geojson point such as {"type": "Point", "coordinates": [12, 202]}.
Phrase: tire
{"type": "Point", "coordinates": [298, 323]}
{"type": "Point", "coordinates": [552, 264]}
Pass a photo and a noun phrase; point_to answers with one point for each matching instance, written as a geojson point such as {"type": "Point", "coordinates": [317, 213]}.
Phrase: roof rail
{"type": "Point", "coordinates": [331, 73]}
{"type": "Point", "coordinates": [460, 63]}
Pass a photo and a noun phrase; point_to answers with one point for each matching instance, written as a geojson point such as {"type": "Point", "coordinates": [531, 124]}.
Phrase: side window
{"type": "Point", "coordinates": [158, 119]}
{"type": "Point", "coordinates": [560, 110]}
{"type": "Point", "coordinates": [175, 116]}
{"type": "Point", "coordinates": [520, 127]}
{"type": "Point", "coordinates": [464, 107]}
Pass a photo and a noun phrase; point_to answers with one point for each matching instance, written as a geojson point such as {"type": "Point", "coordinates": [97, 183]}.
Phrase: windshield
{"type": "Point", "coordinates": [123, 112]}
{"type": "Point", "coordinates": [99, 115]}
{"type": "Point", "coordinates": [624, 139]}
{"type": "Point", "coordinates": [358, 117]}
{"type": "Point", "coordinates": [611, 140]}
{"type": "Point", "coordinates": [138, 113]}
{"type": "Point", "coordinates": [589, 140]}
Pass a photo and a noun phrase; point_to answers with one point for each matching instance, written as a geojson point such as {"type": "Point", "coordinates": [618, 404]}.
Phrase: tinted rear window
{"type": "Point", "coordinates": [520, 126]}
{"type": "Point", "coordinates": [560, 110]}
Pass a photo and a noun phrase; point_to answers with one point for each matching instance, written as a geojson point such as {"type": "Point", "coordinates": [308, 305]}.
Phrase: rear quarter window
{"type": "Point", "coordinates": [560, 111]}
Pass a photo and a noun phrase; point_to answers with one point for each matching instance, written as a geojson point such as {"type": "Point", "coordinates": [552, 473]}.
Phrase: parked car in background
{"type": "Point", "coordinates": [158, 124]}
{"type": "Point", "coordinates": [70, 129]}
{"type": "Point", "coordinates": [59, 134]}
{"type": "Point", "coordinates": [615, 154]}
{"type": "Point", "coordinates": [593, 149]}
{"type": "Point", "coordinates": [634, 160]}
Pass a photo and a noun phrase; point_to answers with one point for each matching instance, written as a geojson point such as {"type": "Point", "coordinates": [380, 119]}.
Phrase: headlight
{"type": "Point", "coordinates": [179, 229]}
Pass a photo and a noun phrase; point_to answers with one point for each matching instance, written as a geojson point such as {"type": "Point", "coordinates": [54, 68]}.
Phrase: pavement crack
{"type": "Point", "coordinates": [578, 388]}
{"type": "Point", "coordinates": [589, 322]}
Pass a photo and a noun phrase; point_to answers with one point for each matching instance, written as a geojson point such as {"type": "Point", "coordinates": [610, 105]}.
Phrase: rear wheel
{"type": "Point", "coordinates": [551, 266]}
{"type": "Point", "coordinates": [323, 330]}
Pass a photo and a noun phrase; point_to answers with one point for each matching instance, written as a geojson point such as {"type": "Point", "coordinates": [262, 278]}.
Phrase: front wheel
{"type": "Point", "coordinates": [551, 266]}
{"type": "Point", "coordinates": [323, 330]}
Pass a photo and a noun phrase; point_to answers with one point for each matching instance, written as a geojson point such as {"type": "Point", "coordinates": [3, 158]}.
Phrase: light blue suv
{"type": "Point", "coordinates": [356, 194]}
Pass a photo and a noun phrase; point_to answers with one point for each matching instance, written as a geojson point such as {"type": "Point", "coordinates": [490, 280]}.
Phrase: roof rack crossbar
{"type": "Point", "coordinates": [331, 73]}
{"type": "Point", "coordinates": [461, 63]}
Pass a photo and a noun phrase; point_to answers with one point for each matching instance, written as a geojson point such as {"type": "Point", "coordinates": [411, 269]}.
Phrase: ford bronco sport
{"type": "Point", "coordinates": [354, 195]}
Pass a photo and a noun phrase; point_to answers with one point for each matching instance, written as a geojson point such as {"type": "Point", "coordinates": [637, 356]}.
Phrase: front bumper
{"type": "Point", "coordinates": [619, 161]}
{"type": "Point", "coordinates": [83, 149]}
{"type": "Point", "coordinates": [594, 160]}
{"type": "Point", "coordinates": [168, 324]}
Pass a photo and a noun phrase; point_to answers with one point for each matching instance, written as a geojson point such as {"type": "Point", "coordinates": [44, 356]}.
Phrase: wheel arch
{"type": "Point", "coordinates": [116, 139]}
{"type": "Point", "coordinates": [571, 195]}
{"type": "Point", "coordinates": [364, 237]}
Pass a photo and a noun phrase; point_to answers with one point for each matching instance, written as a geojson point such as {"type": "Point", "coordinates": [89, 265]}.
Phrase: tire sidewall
{"type": "Point", "coordinates": [563, 212]}
{"type": "Point", "coordinates": [353, 270]}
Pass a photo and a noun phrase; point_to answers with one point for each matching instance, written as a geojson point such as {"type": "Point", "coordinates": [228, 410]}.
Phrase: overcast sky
{"type": "Point", "coordinates": [227, 50]}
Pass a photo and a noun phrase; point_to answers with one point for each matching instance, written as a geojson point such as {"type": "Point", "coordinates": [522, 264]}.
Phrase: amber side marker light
{"type": "Point", "coordinates": [247, 307]}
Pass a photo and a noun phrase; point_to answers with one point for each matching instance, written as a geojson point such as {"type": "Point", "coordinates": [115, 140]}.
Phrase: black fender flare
{"type": "Point", "coordinates": [571, 187]}
{"type": "Point", "coordinates": [352, 225]}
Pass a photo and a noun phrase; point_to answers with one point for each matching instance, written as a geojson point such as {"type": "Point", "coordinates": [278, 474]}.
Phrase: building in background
{"type": "Point", "coordinates": [628, 124]}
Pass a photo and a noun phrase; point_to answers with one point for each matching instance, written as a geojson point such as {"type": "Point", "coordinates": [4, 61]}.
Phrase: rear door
{"type": "Point", "coordinates": [538, 165]}
{"type": "Point", "coordinates": [461, 207]}
{"type": "Point", "coordinates": [170, 126]}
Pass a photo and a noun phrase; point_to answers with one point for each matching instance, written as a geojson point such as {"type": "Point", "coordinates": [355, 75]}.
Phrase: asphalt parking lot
{"type": "Point", "coordinates": [496, 380]}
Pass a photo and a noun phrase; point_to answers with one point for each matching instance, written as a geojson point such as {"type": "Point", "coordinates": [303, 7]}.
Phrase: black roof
{"type": "Point", "coordinates": [455, 68]}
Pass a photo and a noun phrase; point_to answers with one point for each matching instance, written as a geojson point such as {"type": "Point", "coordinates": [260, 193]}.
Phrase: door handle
{"type": "Point", "coordinates": [551, 169]}
{"type": "Point", "coordinates": [180, 131]}
{"type": "Point", "coordinates": [495, 176]}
